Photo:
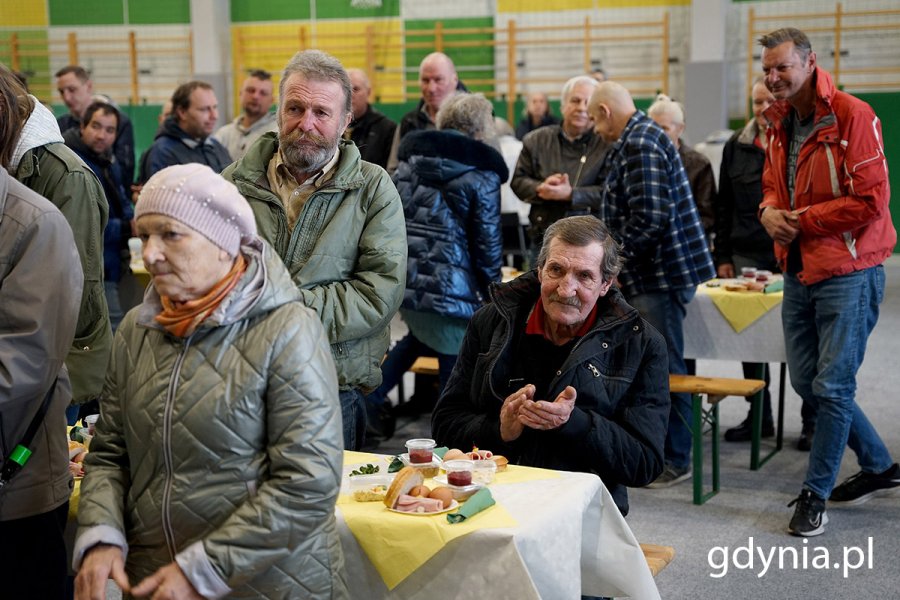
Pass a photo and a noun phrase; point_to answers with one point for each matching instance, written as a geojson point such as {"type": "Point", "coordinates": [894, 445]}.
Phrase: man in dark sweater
{"type": "Point", "coordinates": [371, 131]}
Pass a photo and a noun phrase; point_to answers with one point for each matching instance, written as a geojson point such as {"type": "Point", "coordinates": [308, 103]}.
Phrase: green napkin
{"type": "Point", "coordinates": [440, 452]}
{"type": "Point", "coordinates": [476, 503]}
{"type": "Point", "coordinates": [775, 286]}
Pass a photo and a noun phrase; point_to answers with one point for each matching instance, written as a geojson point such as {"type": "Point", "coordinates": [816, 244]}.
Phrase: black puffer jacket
{"type": "Point", "coordinates": [450, 188]}
{"type": "Point", "coordinates": [738, 230]}
{"type": "Point", "coordinates": [619, 370]}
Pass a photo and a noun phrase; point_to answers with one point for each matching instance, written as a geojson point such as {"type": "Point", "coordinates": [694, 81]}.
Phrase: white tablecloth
{"type": "Point", "coordinates": [708, 335]}
{"type": "Point", "coordinates": [570, 540]}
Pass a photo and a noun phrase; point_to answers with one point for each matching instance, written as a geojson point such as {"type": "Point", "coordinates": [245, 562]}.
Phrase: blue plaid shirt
{"type": "Point", "coordinates": [646, 202]}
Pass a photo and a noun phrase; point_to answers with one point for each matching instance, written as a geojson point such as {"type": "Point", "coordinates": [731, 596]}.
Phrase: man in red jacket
{"type": "Point", "coordinates": [826, 205]}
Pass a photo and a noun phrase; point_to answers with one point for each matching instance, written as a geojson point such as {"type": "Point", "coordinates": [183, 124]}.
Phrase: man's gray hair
{"type": "Point", "coordinates": [471, 114]}
{"type": "Point", "coordinates": [787, 34]}
{"type": "Point", "coordinates": [316, 65]}
{"type": "Point", "coordinates": [580, 232]}
{"type": "Point", "coordinates": [577, 80]}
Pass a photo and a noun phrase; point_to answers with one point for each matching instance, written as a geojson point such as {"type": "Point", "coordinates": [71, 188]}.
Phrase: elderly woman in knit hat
{"type": "Point", "coordinates": [217, 457]}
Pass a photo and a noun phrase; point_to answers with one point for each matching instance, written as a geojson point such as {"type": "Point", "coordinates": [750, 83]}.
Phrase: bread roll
{"type": "Point", "coordinates": [501, 462]}
{"type": "Point", "coordinates": [406, 479]}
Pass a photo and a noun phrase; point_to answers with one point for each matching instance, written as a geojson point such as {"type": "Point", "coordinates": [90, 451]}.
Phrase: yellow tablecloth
{"type": "Point", "coordinates": [398, 544]}
{"type": "Point", "coordinates": [741, 309]}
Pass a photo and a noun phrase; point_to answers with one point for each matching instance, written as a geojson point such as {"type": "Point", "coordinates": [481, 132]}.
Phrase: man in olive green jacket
{"type": "Point", "coordinates": [335, 220]}
{"type": "Point", "coordinates": [41, 161]}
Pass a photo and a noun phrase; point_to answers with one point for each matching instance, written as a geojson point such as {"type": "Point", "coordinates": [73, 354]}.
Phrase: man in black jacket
{"type": "Point", "coordinates": [371, 131]}
{"type": "Point", "coordinates": [558, 165]}
{"type": "Point", "coordinates": [185, 137]}
{"type": "Point", "coordinates": [93, 142]}
{"type": "Point", "coordinates": [439, 81]}
{"type": "Point", "coordinates": [76, 89]}
{"type": "Point", "coordinates": [558, 371]}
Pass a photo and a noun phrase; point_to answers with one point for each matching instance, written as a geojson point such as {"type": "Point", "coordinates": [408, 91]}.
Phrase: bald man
{"type": "Point", "coordinates": [646, 202]}
{"type": "Point", "coordinates": [371, 131]}
{"type": "Point", "coordinates": [438, 81]}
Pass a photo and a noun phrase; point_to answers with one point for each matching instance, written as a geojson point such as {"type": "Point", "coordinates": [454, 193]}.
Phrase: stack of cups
{"type": "Point", "coordinates": [136, 248]}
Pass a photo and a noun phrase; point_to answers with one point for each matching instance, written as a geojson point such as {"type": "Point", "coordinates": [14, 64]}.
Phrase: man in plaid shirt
{"type": "Point", "coordinates": [645, 200]}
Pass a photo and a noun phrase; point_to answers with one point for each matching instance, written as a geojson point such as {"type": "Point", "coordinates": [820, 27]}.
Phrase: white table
{"type": "Point", "coordinates": [708, 335]}
{"type": "Point", "coordinates": [570, 540]}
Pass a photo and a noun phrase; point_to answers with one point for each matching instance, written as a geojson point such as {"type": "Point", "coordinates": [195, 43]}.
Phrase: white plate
{"type": "Point", "coordinates": [453, 506]}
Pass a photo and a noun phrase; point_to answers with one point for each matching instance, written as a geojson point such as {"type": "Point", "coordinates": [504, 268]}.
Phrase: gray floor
{"type": "Point", "coordinates": [752, 506]}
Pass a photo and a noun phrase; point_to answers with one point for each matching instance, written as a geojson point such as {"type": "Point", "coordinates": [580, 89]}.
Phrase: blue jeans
{"type": "Point", "coordinates": [111, 290]}
{"type": "Point", "coordinates": [666, 311]}
{"type": "Point", "coordinates": [826, 327]}
{"type": "Point", "coordinates": [353, 415]}
{"type": "Point", "coordinates": [398, 361]}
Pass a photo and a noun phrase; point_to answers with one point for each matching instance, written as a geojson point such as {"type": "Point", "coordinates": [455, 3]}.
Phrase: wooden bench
{"type": "Point", "coordinates": [425, 365]}
{"type": "Point", "coordinates": [715, 389]}
{"type": "Point", "coordinates": [657, 557]}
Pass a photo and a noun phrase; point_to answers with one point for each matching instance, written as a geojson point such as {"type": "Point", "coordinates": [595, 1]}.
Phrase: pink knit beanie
{"type": "Point", "coordinates": [203, 200]}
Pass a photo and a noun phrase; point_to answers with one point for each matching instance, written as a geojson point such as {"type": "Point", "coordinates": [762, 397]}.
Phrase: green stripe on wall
{"type": "Point", "coordinates": [885, 105]}
{"type": "Point", "coordinates": [342, 9]}
{"type": "Point", "coordinates": [481, 55]}
{"type": "Point", "coordinates": [156, 12]}
{"type": "Point", "coordinates": [86, 12]}
{"type": "Point", "coordinates": [243, 11]}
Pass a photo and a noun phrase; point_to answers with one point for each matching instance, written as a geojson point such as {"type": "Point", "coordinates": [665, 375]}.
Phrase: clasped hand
{"type": "Point", "coordinates": [782, 226]}
{"type": "Point", "coordinates": [555, 187]}
{"type": "Point", "coordinates": [521, 410]}
{"type": "Point", "coordinates": [103, 562]}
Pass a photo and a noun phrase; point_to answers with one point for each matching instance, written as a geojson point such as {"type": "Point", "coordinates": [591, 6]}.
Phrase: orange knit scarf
{"type": "Point", "coordinates": [183, 318]}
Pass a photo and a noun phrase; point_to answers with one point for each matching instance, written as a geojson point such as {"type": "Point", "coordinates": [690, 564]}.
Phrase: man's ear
{"type": "Point", "coordinates": [604, 287]}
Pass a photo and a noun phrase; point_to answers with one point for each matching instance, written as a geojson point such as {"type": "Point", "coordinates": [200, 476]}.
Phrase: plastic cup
{"type": "Point", "coordinates": [748, 272]}
{"type": "Point", "coordinates": [136, 249]}
{"type": "Point", "coordinates": [91, 422]}
{"type": "Point", "coordinates": [459, 472]}
{"type": "Point", "coordinates": [420, 450]}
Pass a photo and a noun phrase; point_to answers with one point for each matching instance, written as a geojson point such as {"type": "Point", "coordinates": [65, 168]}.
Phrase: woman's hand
{"type": "Point", "coordinates": [168, 583]}
{"type": "Point", "coordinates": [101, 563]}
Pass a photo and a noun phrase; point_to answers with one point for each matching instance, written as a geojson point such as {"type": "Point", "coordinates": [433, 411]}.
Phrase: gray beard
{"type": "Point", "coordinates": [307, 158]}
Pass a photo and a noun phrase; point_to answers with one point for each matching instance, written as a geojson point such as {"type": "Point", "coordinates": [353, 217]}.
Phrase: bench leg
{"type": "Point", "coordinates": [699, 417]}
{"type": "Point", "coordinates": [756, 420]}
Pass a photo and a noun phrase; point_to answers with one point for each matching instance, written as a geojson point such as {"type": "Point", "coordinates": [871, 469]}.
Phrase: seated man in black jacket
{"type": "Point", "coordinates": [558, 371]}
